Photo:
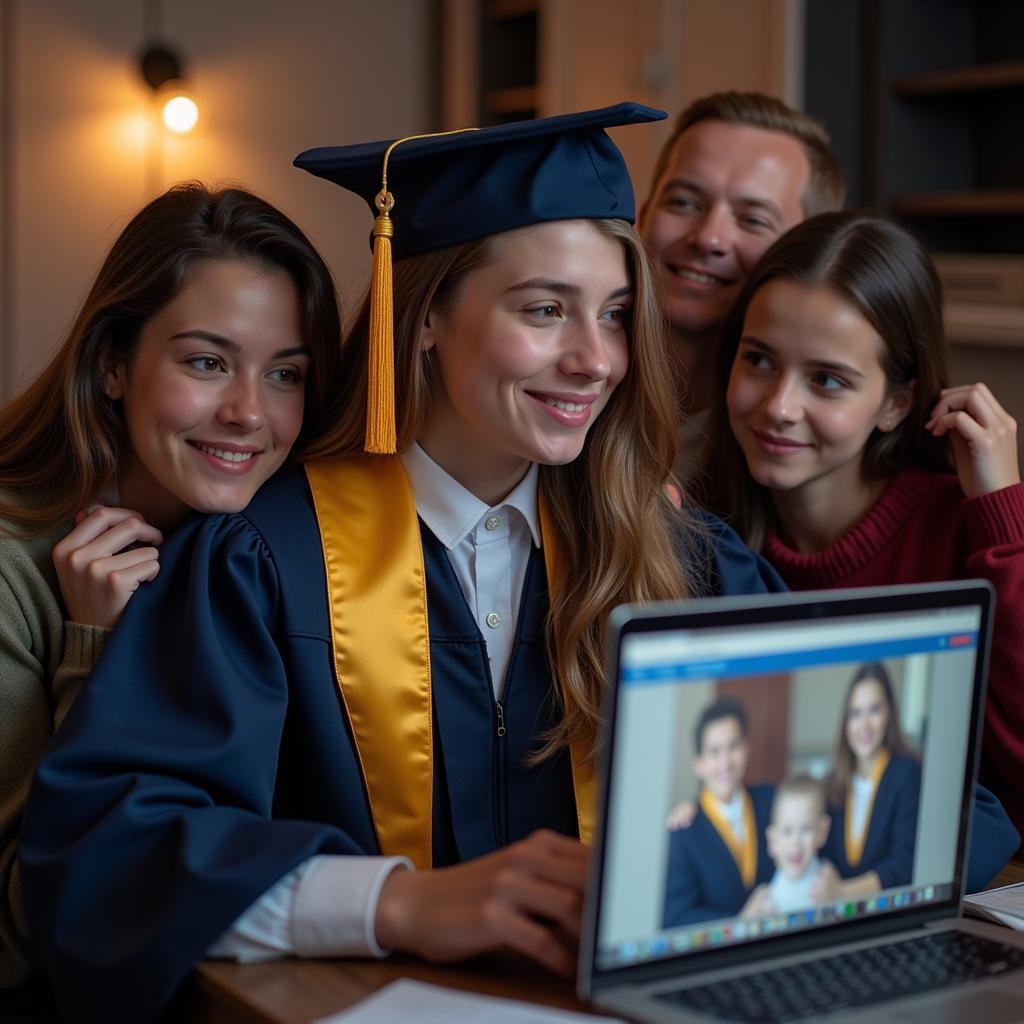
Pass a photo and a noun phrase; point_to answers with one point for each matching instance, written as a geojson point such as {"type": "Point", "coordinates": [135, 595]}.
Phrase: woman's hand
{"type": "Point", "coordinates": [527, 897]}
{"type": "Point", "coordinates": [759, 902]}
{"type": "Point", "coordinates": [827, 884]}
{"type": "Point", "coordinates": [102, 561]}
{"type": "Point", "coordinates": [983, 435]}
{"type": "Point", "coordinates": [681, 816]}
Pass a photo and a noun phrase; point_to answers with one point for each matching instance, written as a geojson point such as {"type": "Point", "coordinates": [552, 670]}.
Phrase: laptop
{"type": "Point", "coordinates": [727, 916]}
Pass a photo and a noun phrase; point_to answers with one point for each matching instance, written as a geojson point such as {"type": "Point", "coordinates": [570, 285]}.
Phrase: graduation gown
{"type": "Point", "coordinates": [890, 835]}
{"type": "Point", "coordinates": [889, 844]}
{"type": "Point", "coordinates": [209, 753]}
{"type": "Point", "coordinates": [703, 881]}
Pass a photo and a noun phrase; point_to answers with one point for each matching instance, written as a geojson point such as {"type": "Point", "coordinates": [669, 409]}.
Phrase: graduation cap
{"type": "Point", "coordinates": [431, 191]}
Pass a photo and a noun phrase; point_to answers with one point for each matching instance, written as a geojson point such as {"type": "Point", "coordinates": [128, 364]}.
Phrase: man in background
{"type": "Point", "coordinates": [739, 169]}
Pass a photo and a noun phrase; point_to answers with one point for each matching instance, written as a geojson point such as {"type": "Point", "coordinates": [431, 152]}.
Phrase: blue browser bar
{"type": "Point", "coordinates": [784, 661]}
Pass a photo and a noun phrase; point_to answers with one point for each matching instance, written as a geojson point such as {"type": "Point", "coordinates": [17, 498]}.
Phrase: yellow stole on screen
{"type": "Point", "coordinates": [745, 853]}
{"type": "Point", "coordinates": [380, 638]}
{"type": "Point", "coordinates": [855, 844]}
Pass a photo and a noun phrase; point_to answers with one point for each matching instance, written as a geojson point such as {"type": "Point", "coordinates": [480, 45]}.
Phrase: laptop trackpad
{"type": "Point", "coordinates": [993, 1006]}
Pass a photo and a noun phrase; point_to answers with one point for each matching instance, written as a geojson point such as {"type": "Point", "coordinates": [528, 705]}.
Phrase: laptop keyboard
{"type": "Point", "coordinates": [851, 980]}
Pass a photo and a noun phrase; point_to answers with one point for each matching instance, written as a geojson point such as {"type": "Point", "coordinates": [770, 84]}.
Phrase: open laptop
{"type": "Point", "coordinates": [658, 947]}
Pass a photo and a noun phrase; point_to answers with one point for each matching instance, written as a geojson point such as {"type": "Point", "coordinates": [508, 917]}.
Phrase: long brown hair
{"type": "Point", "coordinates": [844, 761]}
{"type": "Point", "coordinates": [617, 528]}
{"type": "Point", "coordinates": [62, 441]}
{"type": "Point", "coordinates": [889, 278]}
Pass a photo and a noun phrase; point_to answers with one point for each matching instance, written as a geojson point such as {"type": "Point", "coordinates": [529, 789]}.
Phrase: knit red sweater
{"type": "Point", "coordinates": [923, 529]}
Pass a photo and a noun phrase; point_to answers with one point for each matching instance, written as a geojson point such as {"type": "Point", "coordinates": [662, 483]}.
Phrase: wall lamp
{"type": "Point", "coordinates": [162, 70]}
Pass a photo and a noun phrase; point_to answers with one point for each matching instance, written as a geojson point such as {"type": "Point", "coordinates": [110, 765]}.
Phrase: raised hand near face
{"type": "Point", "coordinates": [102, 561]}
{"type": "Point", "coordinates": [983, 436]}
{"type": "Point", "coordinates": [681, 816]}
{"type": "Point", "coordinates": [759, 903]}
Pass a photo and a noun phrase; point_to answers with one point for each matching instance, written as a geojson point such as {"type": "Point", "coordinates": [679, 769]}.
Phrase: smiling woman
{"type": "Point", "coordinates": [213, 396]}
{"type": "Point", "coordinates": [528, 356]}
{"type": "Point", "coordinates": [208, 344]}
{"type": "Point", "coordinates": [873, 791]}
{"type": "Point", "coordinates": [395, 659]}
{"type": "Point", "coordinates": [838, 448]}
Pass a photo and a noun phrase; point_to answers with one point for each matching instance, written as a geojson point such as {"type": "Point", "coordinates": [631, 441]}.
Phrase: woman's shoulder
{"type": "Point", "coordinates": [23, 549]}
{"type": "Point", "coordinates": [723, 564]}
{"type": "Point", "coordinates": [29, 592]}
{"type": "Point", "coordinates": [277, 530]}
{"type": "Point", "coordinates": [904, 767]}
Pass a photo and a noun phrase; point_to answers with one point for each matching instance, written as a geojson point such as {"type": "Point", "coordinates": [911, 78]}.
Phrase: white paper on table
{"type": "Point", "coordinates": [1004, 905]}
{"type": "Point", "coordinates": [419, 1003]}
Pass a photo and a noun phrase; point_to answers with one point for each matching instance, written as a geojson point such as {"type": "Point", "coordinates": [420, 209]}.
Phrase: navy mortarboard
{"type": "Point", "coordinates": [432, 191]}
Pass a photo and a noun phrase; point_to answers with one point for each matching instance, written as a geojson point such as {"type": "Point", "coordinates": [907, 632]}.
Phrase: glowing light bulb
{"type": "Point", "coordinates": [180, 113]}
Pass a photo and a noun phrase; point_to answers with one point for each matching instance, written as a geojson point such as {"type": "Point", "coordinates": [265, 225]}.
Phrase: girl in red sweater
{"type": "Point", "coordinates": [840, 452]}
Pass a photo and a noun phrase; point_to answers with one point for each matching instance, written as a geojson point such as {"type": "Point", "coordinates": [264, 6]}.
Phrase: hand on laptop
{"type": "Point", "coordinates": [527, 897]}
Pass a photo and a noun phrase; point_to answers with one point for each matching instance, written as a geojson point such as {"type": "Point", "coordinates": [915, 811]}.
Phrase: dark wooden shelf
{"type": "Point", "coordinates": [510, 8]}
{"type": "Point", "coordinates": [511, 101]}
{"type": "Point", "coordinates": [976, 78]}
{"type": "Point", "coordinates": [961, 204]}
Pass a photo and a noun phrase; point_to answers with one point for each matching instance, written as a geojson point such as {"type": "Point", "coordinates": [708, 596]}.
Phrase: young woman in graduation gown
{"type": "Point", "coordinates": [873, 790]}
{"type": "Point", "coordinates": [391, 662]}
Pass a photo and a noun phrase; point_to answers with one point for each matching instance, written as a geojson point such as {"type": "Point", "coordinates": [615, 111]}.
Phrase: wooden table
{"type": "Point", "coordinates": [1010, 875]}
{"type": "Point", "coordinates": [300, 991]}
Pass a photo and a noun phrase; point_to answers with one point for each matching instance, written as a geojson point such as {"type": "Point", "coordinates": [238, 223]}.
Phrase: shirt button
{"type": "Point", "coordinates": [493, 620]}
{"type": "Point", "coordinates": [492, 522]}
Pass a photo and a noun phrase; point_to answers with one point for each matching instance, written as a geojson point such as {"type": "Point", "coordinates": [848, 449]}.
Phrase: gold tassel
{"type": "Point", "coordinates": [381, 431]}
{"type": "Point", "coordinates": [380, 401]}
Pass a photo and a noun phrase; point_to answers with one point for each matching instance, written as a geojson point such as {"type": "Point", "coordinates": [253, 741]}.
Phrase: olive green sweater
{"type": "Point", "coordinates": [43, 660]}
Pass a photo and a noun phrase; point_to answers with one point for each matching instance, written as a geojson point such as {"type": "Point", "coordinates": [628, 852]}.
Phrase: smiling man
{"type": "Point", "coordinates": [738, 170]}
{"type": "Point", "coordinates": [716, 861]}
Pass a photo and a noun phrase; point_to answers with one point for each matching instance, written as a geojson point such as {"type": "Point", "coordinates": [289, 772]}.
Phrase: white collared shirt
{"type": "Point", "coordinates": [863, 787]}
{"type": "Point", "coordinates": [327, 906]}
{"type": "Point", "coordinates": [488, 548]}
{"type": "Point", "coordinates": [733, 814]}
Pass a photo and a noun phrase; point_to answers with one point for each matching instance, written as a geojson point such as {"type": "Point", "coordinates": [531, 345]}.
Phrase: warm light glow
{"type": "Point", "coordinates": [180, 113]}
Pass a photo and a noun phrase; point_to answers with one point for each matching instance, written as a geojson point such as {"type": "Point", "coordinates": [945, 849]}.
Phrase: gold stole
{"type": "Point", "coordinates": [745, 855]}
{"type": "Point", "coordinates": [855, 844]}
{"type": "Point", "coordinates": [377, 604]}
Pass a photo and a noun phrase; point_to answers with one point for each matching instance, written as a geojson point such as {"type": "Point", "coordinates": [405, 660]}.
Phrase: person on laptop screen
{"type": "Point", "coordinates": [797, 832]}
{"type": "Point", "coordinates": [873, 791]}
{"type": "Point", "coordinates": [716, 863]}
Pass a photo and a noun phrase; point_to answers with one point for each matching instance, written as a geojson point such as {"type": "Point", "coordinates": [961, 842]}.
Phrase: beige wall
{"type": "Point", "coordinates": [271, 78]}
{"type": "Point", "coordinates": [274, 78]}
{"type": "Point", "coordinates": [665, 53]}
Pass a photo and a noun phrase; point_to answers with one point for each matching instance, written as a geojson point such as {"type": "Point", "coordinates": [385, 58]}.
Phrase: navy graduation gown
{"type": "Point", "coordinates": [889, 845]}
{"type": "Point", "coordinates": [891, 830]}
{"type": "Point", "coordinates": [703, 881]}
{"type": "Point", "coordinates": [209, 754]}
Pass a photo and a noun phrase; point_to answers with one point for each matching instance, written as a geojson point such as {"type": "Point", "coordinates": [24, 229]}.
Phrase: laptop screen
{"type": "Point", "coordinates": [772, 777]}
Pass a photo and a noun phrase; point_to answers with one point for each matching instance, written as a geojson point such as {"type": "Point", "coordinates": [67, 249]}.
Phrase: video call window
{"type": "Point", "coordinates": [746, 802]}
